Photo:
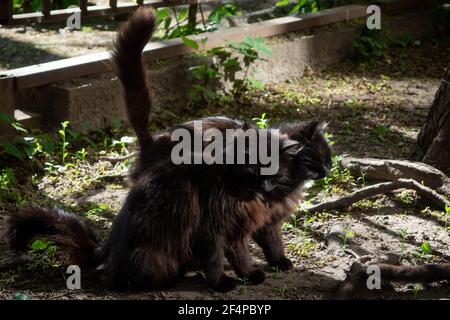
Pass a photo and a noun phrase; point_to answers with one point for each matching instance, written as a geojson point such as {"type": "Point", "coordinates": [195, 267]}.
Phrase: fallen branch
{"type": "Point", "coordinates": [356, 281]}
{"type": "Point", "coordinates": [381, 188]}
{"type": "Point", "coordinates": [389, 170]}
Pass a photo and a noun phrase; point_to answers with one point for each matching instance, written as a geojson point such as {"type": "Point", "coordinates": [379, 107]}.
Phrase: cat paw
{"type": "Point", "coordinates": [225, 284]}
{"type": "Point", "coordinates": [284, 264]}
{"type": "Point", "coordinates": [257, 276]}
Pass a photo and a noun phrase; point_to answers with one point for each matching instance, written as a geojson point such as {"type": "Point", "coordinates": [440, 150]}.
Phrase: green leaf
{"type": "Point", "coordinates": [426, 248]}
{"type": "Point", "coordinates": [183, 14]}
{"type": "Point", "coordinates": [5, 117]}
{"type": "Point", "coordinates": [39, 245]}
{"type": "Point", "coordinates": [282, 3]}
{"type": "Point", "coordinates": [199, 72]}
{"type": "Point", "coordinates": [255, 83]}
{"type": "Point", "coordinates": [189, 42]}
{"type": "Point", "coordinates": [219, 13]}
{"type": "Point", "coordinates": [162, 14]}
{"type": "Point", "coordinates": [12, 150]}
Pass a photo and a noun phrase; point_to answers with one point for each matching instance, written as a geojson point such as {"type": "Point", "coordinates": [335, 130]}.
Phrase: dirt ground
{"type": "Point", "coordinates": [373, 109]}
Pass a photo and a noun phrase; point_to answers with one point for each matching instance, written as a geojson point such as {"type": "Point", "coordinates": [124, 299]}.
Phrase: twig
{"type": "Point", "coordinates": [119, 159]}
{"type": "Point", "coordinates": [377, 189]}
{"type": "Point", "coordinates": [203, 16]}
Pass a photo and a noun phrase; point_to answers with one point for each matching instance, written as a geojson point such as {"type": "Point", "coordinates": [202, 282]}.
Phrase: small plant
{"type": "Point", "coordinates": [349, 234]}
{"type": "Point", "coordinates": [81, 154]}
{"type": "Point", "coordinates": [64, 144]}
{"type": "Point", "coordinates": [8, 184]}
{"type": "Point", "coordinates": [301, 6]}
{"type": "Point", "coordinates": [370, 45]}
{"type": "Point", "coordinates": [447, 217]}
{"type": "Point", "coordinates": [426, 248]}
{"type": "Point", "coordinates": [275, 269]}
{"type": "Point", "coordinates": [362, 178]}
{"type": "Point", "coordinates": [262, 122]}
{"type": "Point", "coordinates": [244, 281]}
{"type": "Point", "coordinates": [221, 12]}
{"type": "Point", "coordinates": [182, 27]}
{"type": "Point", "coordinates": [43, 254]}
{"type": "Point", "coordinates": [337, 176]}
{"type": "Point", "coordinates": [416, 289]}
{"type": "Point", "coordinates": [281, 290]}
{"type": "Point", "coordinates": [227, 62]}
{"type": "Point", "coordinates": [380, 132]}
{"type": "Point", "coordinates": [329, 138]}
{"type": "Point", "coordinates": [123, 143]}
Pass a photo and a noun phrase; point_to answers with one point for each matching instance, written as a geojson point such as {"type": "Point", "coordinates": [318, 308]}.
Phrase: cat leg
{"type": "Point", "coordinates": [269, 239]}
{"type": "Point", "coordinates": [239, 258]}
{"type": "Point", "coordinates": [212, 256]}
{"type": "Point", "coordinates": [144, 268]}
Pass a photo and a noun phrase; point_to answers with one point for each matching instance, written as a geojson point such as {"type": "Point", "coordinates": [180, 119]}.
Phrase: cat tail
{"type": "Point", "coordinates": [127, 56]}
{"type": "Point", "coordinates": [77, 242]}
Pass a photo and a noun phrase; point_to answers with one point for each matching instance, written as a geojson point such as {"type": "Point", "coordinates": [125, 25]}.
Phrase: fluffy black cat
{"type": "Point", "coordinates": [177, 217]}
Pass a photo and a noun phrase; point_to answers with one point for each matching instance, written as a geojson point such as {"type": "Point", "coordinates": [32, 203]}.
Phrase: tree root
{"type": "Point", "coordinates": [389, 170]}
{"type": "Point", "coordinates": [356, 282]}
{"type": "Point", "coordinates": [381, 188]}
{"type": "Point", "coordinates": [400, 174]}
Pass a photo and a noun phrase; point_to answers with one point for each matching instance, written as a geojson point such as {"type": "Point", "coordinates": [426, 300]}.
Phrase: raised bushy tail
{"type": "Point", "coordinates": [127, 56]}
{"type": "Point", "coordinates": [76, 240]}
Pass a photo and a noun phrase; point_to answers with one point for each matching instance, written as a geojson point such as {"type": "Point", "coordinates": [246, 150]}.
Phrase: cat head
{"type": "Point", "coordinates": [309, 148]}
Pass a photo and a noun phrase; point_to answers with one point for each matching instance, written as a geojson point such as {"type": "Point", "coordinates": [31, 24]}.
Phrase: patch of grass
{"type": "Point", "coordinates": [302, 248]}
{"type": "Point", "coordinates": [281, 291]}
{"type": "Point", "coordinates": [8, 185]}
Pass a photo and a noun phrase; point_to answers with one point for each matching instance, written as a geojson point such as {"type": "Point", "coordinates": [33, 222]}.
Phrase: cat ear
{"type": "Point", "coordinates": [315, 127]}
{"type": "Point", "coordinates": [290, 145]}
{"type": "Point", "coordinates": [246, 126]}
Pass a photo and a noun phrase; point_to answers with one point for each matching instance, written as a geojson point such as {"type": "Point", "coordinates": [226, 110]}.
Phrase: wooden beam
{"type": "Point", "coordinates": [46, 7]}
{"type": "Point", "coordinates": [113, 3]}
{"type": "Point", "coordinates": [192, 17]}
{"type": "Point", "coordinates": [7, 101]}
{"type": "Point", "coordinates": [6, 11]}
{"type": "Point", "coordinates": [94, 11]}
{"type": "Point", "coordinates": [70, 68]}
{"type": "Point", "coordinates": [84, 6]}
{"type": "Point", "coordinates": [400, 6]}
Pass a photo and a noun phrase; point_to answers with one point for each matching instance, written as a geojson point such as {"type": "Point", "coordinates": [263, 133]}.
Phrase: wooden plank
{"type": "Point", "coordinates": [46, 7]}
{"type": "Point", "coordinates": [192, 17]}
{"type": "Point", "coordinates": [113, 3]}
{"type": "Point", "coordinates": [100, 62]}
{"type": "Point", "coordinates": [83, 6]}
{"type": "Point", "coordinates": [6, 11]}
{"type": "Point", "coordinates": [7, 101]}
{"type": "Point", "coordinates": [95, 11]}
{"type": "Point", "coordinates": [400, 6]}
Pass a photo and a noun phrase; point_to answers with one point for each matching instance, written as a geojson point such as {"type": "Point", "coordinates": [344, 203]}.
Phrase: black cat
{"type": "Point", "coordinates": [179, 216]}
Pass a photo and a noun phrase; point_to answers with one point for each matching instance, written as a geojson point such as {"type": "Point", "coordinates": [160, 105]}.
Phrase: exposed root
{"type": "Point", "coordinates": [381, 188]}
